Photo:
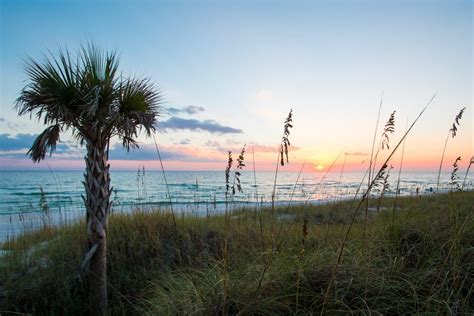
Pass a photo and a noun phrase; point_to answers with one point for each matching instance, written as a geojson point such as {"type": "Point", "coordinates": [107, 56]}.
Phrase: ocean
{"type": "Point", "coordinates": [26, 197]}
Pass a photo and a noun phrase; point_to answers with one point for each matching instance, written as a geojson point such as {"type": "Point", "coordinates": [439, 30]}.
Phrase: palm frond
{"type": "Point", "coordinates": [51, 94]}
{"type": "Point", "coordinates": [136, 108]}
{"type": "Point", "coordinates": [46, 141]}
{"type": "Point", "coordinates": [97, 74]}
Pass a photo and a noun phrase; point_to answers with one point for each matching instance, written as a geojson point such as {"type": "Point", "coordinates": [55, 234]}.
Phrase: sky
{"type": "Point", "coordinates": [230, 71]}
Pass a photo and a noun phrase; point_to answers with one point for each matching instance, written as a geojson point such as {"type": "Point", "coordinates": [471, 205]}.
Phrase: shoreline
{"type": "Point", "coordinates": [17, 224]}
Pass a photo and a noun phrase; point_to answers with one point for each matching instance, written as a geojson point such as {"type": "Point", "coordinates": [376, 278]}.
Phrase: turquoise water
{"type": "Point", "coordinates": [191, 191]}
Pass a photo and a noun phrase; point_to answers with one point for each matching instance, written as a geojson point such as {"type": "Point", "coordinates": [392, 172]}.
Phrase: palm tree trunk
{"type": "Point", "coordinates": [97, 202]}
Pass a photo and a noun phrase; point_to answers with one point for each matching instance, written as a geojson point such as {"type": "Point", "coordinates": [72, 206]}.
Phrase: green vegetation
{"type": "Point", "coordinates": [417, 258]}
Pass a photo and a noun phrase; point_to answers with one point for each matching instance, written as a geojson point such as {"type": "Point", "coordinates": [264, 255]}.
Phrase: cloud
{"type": "Point", "coordinates": [190, 109]}
{"type": "Point", "coordinates": [264, 96]}
{"type": "Point", "coordinates": [10, 125]}
{"type": "Point", "coordinates": [17, 147]}
{"type": "Point", "coordinates": [212, 143]}
{"type": "Point", "coordinates": [177, 123]}
{"type": "Point", "coordinates": [185, 141]}
{"type": "Point", "coordinates": [20, 141]}
{"type": "Point", "coordinates": [269, 149]}
{"type": "Point", "coordinates": [168, 153]}
{"type": "Point", "coordinates": [236, 146]}
{"type": "Point", "coordinates": [145, 152]}
{"type": "Point", "coordinates": [357, 153]}
{"type": "Point", "coordinates": [233, 142]}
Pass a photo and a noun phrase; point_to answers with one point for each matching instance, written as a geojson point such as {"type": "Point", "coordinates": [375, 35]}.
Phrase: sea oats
{"type": "Point", "coordinates": [453, 132]}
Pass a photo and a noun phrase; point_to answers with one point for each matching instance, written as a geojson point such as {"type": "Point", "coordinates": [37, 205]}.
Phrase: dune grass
{"type": "Point", "coordinates": [418, 258]}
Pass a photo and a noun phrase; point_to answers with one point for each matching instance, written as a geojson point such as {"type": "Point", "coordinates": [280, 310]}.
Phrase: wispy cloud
{"type": "Point", "coordinates": [10, 125]}
{"type": "Point", "coordinates": [264, 95]}
{"type": "Point", "coordinates": [147, 152]}
{"type": "Point", "coordinates": [268, 149]}
{"type": "Point", "coordinates": [185, 141]}
{"type": "Point", "coordinates": [190, 109]}
{"type": "Point", "coordinates": [212, 143]}
{"type": "Point", "coordinates": [356, 153]}
{"type": "Point", "coordinates": [177, 123]}
{"type": "Point", "coordinates": [237, 145]}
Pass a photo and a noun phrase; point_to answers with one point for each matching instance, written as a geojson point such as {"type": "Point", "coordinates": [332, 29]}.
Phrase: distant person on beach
{"type": "Point", "coordinates": [417, 191]}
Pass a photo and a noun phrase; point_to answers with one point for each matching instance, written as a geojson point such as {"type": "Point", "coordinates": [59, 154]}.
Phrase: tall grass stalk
{"type": "Point", "coordinates": [304, 235]}
{"type": "Point", "coordinates": [44, 207]}
{"type": "Point", "coordinates": [374, 138]}
{"type": "Point", "coordinates": [360, 186]}
{"type": "Point", "coordinates": [61, 220]}
{"type": "Point", "coordinates": [471, 161]}
{"type": "Point", "coordinates": [295, 185]}
{"type": "Point", "coordinates": [254, 176]}
{"type": "Point", "coordinates": [371, 159]}
{"type": "Point", "coordinates": [384, 143]}
{"type": "Point", "coordinates": [316, 186]}
{"type": "Point", "coordinates": [389, 128]}
{"type": "Point", "coordinates": [365, 195]}
{"type": "Point", "coordinates": [260, 223]}
{"type": "Point", "coordinates": [401, 166]}
{"type": "Point", "coordinates": [397, 189]}
{"type": "Point", "coordinates": [236, 187]}
{"type": "Point", "coordinates": [166, 183]}
{"type": "Point", "coordinates": [282, 154]}
{"type": "Point", "coordinates": [452, 131]}
{"type": "Point", "coordinates": [340, 177]}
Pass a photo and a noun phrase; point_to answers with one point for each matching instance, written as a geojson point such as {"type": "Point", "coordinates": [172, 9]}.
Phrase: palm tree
{"type": "Point", "coordinates": [86, 96]}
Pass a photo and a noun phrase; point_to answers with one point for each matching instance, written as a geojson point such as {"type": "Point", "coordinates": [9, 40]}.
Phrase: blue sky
{"type": "Point", "coordinates": [245, 64]}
